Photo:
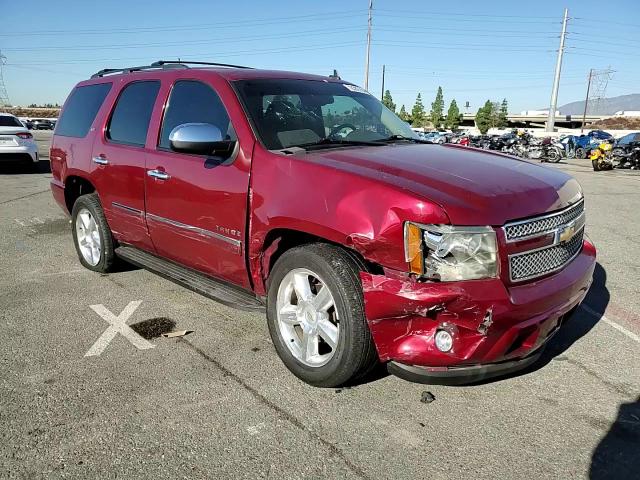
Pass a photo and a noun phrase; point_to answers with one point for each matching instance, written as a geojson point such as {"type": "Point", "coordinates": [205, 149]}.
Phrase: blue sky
{"type": "Point", "coordinates": [475, 50]}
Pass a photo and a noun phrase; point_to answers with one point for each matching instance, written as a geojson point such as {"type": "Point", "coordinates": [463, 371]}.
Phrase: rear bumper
{"type": "Point", "coordinates": [19, 151]}
{"type": "Point", "coordinates": [404, 316]}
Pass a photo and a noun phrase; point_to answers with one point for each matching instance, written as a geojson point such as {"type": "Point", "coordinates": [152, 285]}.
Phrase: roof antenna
{"type": "Point", "coordinates": [335, 75]}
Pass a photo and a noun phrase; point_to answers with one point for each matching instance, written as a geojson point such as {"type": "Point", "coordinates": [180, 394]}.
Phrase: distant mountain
{"type": "Point", "coordinates": [606, 106]}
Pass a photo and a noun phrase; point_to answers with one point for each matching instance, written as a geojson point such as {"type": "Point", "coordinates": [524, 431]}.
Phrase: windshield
{"type": "Point", "coordinates": [8, 121]}
{"type": "Point", "coordinates": [290, 113]}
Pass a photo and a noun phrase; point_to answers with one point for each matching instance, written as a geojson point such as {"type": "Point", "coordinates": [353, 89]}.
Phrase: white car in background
{"type": "Point", "coordinates": [16, 141]}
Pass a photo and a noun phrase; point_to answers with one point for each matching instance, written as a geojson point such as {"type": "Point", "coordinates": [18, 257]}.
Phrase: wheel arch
{"type": "Point", "coordinates": [74, 187]}
{"type": "Point", "coordinates": [279, 240]}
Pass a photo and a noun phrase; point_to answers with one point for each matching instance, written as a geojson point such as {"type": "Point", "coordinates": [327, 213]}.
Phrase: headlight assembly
{"type": "Point", "coordinates": [447, 253]}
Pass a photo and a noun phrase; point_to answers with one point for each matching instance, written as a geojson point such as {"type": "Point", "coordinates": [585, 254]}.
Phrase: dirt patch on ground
{"type": "Point", "coordinates": [619, 123]}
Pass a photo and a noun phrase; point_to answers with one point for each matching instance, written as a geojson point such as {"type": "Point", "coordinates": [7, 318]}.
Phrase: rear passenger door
{"type": "Point", "coordinates": [119, 162]}
{"type": "Point", "coordinates": [196, 213]}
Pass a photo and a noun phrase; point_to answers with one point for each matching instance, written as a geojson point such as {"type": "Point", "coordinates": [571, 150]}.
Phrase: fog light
{"type": "Point", "coordinates": [444, 340]}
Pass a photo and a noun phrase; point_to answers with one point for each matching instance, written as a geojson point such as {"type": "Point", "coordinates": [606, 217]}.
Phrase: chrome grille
{"type": "Point", "coordinates": [544, 224]}
{"type": "Point", "coordinates": [535, 263]}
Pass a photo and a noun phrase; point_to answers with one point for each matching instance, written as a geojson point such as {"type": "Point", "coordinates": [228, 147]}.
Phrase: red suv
{"type": "Point", "coordinates": [305, 196]}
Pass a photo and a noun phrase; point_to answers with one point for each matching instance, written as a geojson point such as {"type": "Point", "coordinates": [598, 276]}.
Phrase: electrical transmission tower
{"type": "Point", "coordinates": [4, 97]}
{"type": "Point", "coordinates": [599, 81]}
{"type": "Point", "coordinates": [596, 91]}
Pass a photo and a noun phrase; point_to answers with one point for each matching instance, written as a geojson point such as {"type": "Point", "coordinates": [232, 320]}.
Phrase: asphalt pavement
{"type": "Point", "coordinates": [218, 403]}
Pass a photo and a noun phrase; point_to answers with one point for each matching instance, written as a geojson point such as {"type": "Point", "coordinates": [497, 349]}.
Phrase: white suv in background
{"type": "Point", "coordinates": [16, 141]}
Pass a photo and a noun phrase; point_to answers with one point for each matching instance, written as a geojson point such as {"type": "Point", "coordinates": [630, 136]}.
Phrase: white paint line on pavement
{"type": "Point", "coordinates": [618, 327]}
{"type": "Point", "coordinates": [118, 325]}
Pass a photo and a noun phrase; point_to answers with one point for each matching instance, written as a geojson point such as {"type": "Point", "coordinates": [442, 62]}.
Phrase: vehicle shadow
{"type": "Point", "coordinates": [618, 453]}
{"type": "Point", "coordinates": [22, 167]}
{"type": "Point", "coordinates": [573, 329]}
{"type": "Point", "coordinates": [581, 322]}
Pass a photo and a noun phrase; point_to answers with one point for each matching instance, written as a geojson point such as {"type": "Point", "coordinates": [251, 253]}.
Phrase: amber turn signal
{"type": "Point", "coordinates": [413, 248]}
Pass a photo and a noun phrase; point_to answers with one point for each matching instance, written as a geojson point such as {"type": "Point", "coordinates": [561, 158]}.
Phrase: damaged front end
{"type": "Point", "coordinates": [464, 331]}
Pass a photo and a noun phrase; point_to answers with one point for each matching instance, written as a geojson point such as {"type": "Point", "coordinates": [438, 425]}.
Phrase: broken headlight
{"type": "Point", "coordinates": [446, 253]}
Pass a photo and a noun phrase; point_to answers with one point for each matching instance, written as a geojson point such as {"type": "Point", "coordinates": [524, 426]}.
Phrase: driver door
{"type": "Point", "coordinates": [196, 205]}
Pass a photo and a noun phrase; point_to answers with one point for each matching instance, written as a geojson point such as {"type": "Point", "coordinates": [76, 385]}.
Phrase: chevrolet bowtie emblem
{"type": "Point", "coordinates": [566, 233]}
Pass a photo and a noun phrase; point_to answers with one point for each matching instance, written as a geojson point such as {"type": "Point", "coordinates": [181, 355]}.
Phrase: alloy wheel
{"type": "Point", "coordinates": [88, 236]}
{"type": "Point", "coordinates": [307, 317]}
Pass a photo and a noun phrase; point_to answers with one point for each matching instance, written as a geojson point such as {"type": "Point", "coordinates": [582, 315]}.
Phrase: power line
{"type": "Point", "coordinates": [330, 16]}
{"type": "Point", "coordinates": [306, 33]}
{"type": "Point", "coordinates": [412, 12]}
{"type": "Point", "coordinates": [459, 48]}
{"type": "Point", "coordinates": [347, 29]}
{"type": "Point", "coordinates": [226, 53]}
{"type": "Point", "coordinates": [599, 22]}
{"type": "Point", "coordinates": [472, 18]}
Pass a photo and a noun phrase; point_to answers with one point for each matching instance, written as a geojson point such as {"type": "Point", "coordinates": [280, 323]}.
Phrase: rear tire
{"type": "Point", "coordinates": [553, 156]}
{"type": "Point", "coordinates": [92, 235]}
{"type": "Point", "coordinates": [581, 153]}
{"type": "Point", "coordinates": [353, 354]}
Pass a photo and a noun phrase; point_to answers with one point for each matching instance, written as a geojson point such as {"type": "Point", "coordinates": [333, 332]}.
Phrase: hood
{"type": "Point", "coordinates": [474, 187]}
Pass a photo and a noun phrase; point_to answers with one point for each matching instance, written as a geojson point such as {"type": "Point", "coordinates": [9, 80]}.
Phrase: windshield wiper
{"type": "Point", "coordinates": [398, 138]}
{"type": "Point", "coordinates": [327, 143]}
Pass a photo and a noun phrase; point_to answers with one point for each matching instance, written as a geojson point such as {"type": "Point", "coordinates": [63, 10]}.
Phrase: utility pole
{"type": "Point", "coordinates": [586, 101]}
{"type": "Point", "coordinates": [366, 64]}
{"type": "Point", "coordinates": [556, 81]}
{"type": "Point", "coordinates": [382, 94]}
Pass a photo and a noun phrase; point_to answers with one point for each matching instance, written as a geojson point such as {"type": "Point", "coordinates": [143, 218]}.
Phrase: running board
{"type": "Point", "coordinates": [217, 290]}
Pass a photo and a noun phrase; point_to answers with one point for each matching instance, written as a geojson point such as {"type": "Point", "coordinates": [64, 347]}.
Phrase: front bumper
{"type": "Point", "coordinates": [404, 315]}
{"type": "Point", "coordinates": [460, 375]}
{"type": "Point", "coordinates": [17, 151]}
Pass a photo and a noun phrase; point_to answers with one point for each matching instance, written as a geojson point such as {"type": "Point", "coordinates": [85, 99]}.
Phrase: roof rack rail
{"type": "Point", "coordinates": [160, 64]}
{"type": "Point", "coordinates": [186, 63]}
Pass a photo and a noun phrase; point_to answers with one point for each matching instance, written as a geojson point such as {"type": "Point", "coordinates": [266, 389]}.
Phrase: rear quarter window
{"type": "Point", "coordinates": [81, 109]}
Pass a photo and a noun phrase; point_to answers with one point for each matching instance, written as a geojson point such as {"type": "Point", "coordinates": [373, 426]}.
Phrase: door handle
{"type": "Point", "coordinates": [100, 160]}
{"type": "Point", "coordinates": [159, 174]}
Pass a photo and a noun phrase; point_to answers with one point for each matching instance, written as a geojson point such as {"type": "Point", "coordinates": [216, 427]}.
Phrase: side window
{"type": "Point", "coordinates": [81, 109]}
{"type": "Point", "coordinates": [194, 102]}
{"type": "Point", "coordinates": [130, 117]}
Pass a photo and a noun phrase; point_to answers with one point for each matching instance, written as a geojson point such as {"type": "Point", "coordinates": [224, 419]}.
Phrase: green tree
{"type": "Point", "coordinates": [404, 116]}
{"type": "Point", "coordinates": [387, 101]}
{"type": "Point", "coordinates": [454, 117]}
{"type": "Point", "coordinates": [484, 117]}
{"type": "Point", "coordinates": [437, 108]}
{"type": "Point", "coordinates": [418, 115]}
{"type": "Point", "coordinates": [503, 113]}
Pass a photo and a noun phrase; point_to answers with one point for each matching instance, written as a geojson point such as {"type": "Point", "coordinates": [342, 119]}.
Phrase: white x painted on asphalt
{"type": "Point", "coordinates": [118, 325]}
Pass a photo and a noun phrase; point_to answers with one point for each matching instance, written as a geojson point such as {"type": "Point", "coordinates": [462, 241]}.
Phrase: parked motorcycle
{"type": "Point", "coordinates": [630, 159]}
{"type": "Point", "coordinates": [551, 151]}
{"type": "Point", "coordinates": [601, 157]}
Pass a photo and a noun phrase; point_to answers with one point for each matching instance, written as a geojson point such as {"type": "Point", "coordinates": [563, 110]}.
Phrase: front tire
{"type": "Point", "coordinates": [91, 234]}
{"type": "Point", "coordinates": [315, 314]}
{"type": "Point", "coordinates": [581, 153]}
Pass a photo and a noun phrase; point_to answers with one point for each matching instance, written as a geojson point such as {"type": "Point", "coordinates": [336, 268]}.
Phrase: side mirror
{"type": "Point", "coordinates": [200, 139]}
